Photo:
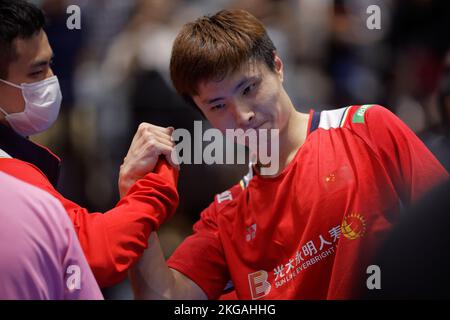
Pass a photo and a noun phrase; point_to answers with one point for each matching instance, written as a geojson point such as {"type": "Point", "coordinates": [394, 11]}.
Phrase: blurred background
{"type": "Point", "coordinates": [114, 74]}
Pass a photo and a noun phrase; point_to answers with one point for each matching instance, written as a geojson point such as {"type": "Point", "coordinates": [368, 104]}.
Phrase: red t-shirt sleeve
{"type": "Point", "coordinates": [200, 257]}
{"type": "Point", "coordinates": [114, 240]}
{"type": "Point", "coordinates": [413, 168]}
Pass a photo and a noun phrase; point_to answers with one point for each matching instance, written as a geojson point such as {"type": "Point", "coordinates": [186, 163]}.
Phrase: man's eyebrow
{"type": "Point", "coordinates": [238, 86]}
{"type": "Point", "coordinates": [41, 62]}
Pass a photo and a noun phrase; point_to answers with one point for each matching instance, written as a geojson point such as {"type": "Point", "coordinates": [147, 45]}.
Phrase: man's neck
{"type": "Point", "coordinates": [291, 139]}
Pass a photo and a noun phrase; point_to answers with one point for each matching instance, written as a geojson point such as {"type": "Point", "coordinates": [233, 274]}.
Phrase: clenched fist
{"type": "Point", "coordinates": [148, 144]}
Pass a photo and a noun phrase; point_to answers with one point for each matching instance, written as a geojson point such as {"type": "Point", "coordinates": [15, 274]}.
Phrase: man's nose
{"type": "Point", "coordinates": [244, 115]}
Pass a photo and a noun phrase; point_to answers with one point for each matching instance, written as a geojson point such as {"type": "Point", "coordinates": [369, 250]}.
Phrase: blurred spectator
{"type": "Point", "coordinates": [438, 140]}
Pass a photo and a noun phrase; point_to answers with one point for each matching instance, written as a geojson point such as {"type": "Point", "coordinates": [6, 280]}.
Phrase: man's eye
{"type": "Point", "coordinates": [36, 73]}
{"type": "Point", "coordinates": [218, 107]}
{"type": "Point", "coordinates": [248, 89]}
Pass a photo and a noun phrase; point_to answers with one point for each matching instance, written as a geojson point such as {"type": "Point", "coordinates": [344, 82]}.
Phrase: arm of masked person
{"type": "Point", "coordinates": [112, 241]}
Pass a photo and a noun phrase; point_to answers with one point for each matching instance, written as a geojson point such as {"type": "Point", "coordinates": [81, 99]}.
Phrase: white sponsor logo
{"type": "Point", "coordinates": [259, 286]}
{"type": "Point", "coordinates": [251, 233]}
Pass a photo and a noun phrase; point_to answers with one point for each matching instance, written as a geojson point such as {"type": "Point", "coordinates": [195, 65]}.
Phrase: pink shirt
{"type": "Point", "coordinates": [40, 255]}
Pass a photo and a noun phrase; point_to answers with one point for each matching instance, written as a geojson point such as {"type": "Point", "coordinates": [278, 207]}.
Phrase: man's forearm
{"type": "Point", "coordinates": [151, 278]}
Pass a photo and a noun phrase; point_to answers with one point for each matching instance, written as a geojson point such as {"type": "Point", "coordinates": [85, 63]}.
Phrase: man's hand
{"type": "Point", "coordinates": [148, 144]}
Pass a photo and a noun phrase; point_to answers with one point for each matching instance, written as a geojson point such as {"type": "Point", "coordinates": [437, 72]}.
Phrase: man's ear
{"type": "Point", "coordinates": [278, 66]}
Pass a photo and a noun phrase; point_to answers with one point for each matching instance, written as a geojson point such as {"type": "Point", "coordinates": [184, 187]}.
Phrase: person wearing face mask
{"type": "Point", "coordinates": [42, 102]}
{"type": "Point", "coordinates": [30, 99]}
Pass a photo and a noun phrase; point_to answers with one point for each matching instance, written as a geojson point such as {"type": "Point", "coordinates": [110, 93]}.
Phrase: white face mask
{"type": "Point", "coordinates": [42, 103]}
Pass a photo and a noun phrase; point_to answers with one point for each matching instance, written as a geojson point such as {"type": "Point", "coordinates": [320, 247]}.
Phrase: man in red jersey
{"type": "Point", "coordinates": [30, 99]}
{"type": "Point", "coordinates": [310, 230]}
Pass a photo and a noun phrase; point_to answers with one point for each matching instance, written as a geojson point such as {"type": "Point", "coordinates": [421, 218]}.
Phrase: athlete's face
{"type": "Point", "coordinates": [250, 98]}
{"type": "Point", "coordinates": [32, 64]}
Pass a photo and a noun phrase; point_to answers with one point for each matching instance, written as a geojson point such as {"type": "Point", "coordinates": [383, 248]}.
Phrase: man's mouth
{"type": "Point", "coordinates": [261, 126]}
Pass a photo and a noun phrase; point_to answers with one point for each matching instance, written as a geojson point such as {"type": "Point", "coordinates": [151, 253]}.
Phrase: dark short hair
{"type": "Point", "coordinates": [18, 19]}
{"type": "Point", "coordinates": [214, 46]}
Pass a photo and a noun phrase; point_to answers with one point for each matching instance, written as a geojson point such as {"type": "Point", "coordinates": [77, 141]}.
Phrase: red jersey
{"type": "Point", "coordinates": [111, 241]}
{"type": "Point", "coordinates": [310, 233]}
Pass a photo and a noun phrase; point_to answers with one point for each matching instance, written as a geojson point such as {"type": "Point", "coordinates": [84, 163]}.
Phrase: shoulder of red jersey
{"type": "Point", "coordinates": [360, 114]}
{"type": "Point", "coordinates": [347, 116]}
{"type": "Point", "coordinates": [364, 119]}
